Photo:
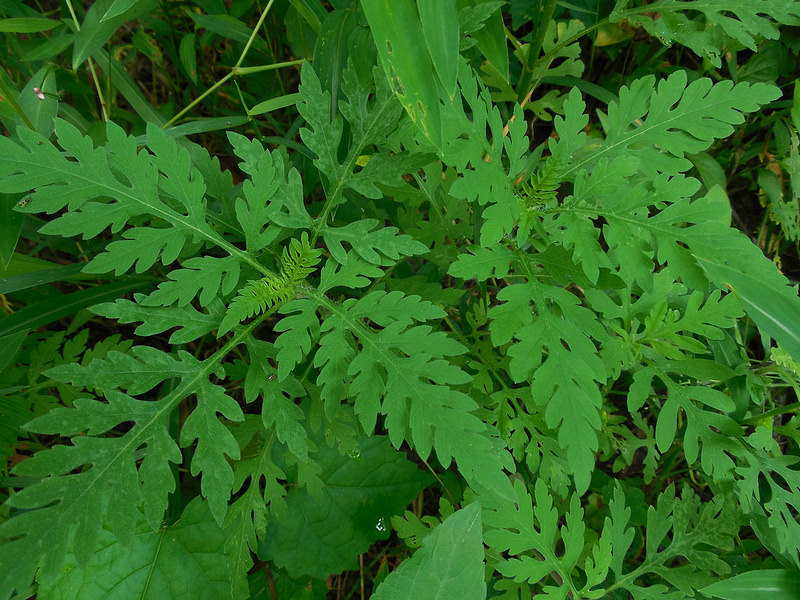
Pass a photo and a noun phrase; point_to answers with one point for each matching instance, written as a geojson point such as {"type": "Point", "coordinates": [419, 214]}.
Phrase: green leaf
{"type": "Point", "coordinates": [386, 373]}
{"type": "Point", "coordinates": [538, 542]}
{"type": "Point", "coordinates": [196, 126]}
{"type": "Point", "coordinates": [216, 446]}
{"type": "Point", "coordinates": [41, 111]}
{"type": "Point", "coordinates": [258, 484]}
{"type": "Point", "coordinates": [225, 25]}
{"type": "Point", "coordinates": [482, 263]}
{"type": "Point", "coordinates": [132, 467]}
{"type": "Point", "coordinates": [135, 371]}
{"type": "Point", "coordinates": [274, 104]}
{"type": "Point", "coordinates": [21, 264]}
{"type": "Point", "coordinates": [441, 34]}
{"type": "Point", "coordinates": [448, 566]}
{"type": "Point", "coordinates": [535, 528]}
{"type": "Point", "coordinates": [779, 584]}
{"type": "Point", "coordinates": [489, 167]}
{"type": "Point", "coordinates": [96, 30]}
{"type": "Point", "coordinates": [372, 115]}
{"type": "Point", "coordinates": [188, 56]}
{"type": "Point", "coordinates": [85, 183]}
{"type": "Point", "coordinates": [397, 31]}
{"type": "Point", "coordinates": [774, 308]}
{"type": "Point", "coordinates": [117, 8]}
{"type": "Point", "coordinates": [27, 25]}
{"type": "Point", "coordinates": [191, 323]}
{"type": "Point", "coordinates": [49, 48]}
{"type": "Point", "coordinates": [660, 124]}
{"type": "Point", "coordinates": [492, 40]}
{"type": "Point", "coordinates": [24, 281]}
{"type": "Point", "coordinates": [374, 246]}
{"type": "Point", "coordinates": [555, 350]}
{"type": "Point", "coordinates": [184, 559]}
{"type": "Point", "coordinates": [55, 308]}
{"type": "Point", "coordinates": [741, 20]}
{"type": "Point", "coordinates": [323, 534]}
{"type": "Point", "coordinates": [10, 227]}
{"type": "Point", "coordinates": [331, 50]}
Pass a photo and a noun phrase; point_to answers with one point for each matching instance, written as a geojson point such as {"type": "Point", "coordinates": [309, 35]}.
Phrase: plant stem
{"type": "Point", "coordinates": [197, 100]}
{"type": "Point", "coordinates": [254, 32]}
{"type": "Point", "coordinates": [781, 410]}
{"type": "Point", "coordinates": [237, 70]}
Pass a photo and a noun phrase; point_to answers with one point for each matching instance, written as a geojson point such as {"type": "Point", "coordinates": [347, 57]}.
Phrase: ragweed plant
{"type": "Point", "coordinates": [557, 347]}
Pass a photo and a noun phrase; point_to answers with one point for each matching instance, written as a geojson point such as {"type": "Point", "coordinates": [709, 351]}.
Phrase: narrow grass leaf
{"type": "Point", "coordinates": [27, 25]}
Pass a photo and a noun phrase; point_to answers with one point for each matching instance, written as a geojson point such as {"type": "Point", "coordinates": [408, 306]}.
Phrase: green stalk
{"type": "Point", "coordinates": [197, 100]}
{"type": "Point", "coordinates": [237, 69]}
{"type": "Point", "coordinates": [261, 68]}
{"type": "Point", "coordinates": [775, 412]}
{"type": "Point", "coordinates": [254, 32]}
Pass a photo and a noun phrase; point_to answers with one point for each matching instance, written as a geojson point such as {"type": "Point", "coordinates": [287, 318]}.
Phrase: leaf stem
{"type": "Point", "coordinates": [775, 412]}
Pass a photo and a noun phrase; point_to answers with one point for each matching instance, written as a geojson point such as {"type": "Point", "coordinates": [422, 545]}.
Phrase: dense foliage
{"type": "Point", "coordinates": [449, 299]}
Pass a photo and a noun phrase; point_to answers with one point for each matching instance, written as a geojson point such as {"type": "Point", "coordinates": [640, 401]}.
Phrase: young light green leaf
{"type": "Point", "coordinates": [777, 584]}
{"type": "Point", "coordinates": [448, 566]}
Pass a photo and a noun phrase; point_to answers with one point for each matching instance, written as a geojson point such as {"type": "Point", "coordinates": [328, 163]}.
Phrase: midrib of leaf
{"type": "Point", "coordinates": [167, 215]}
{"type": "Point", "coordinates": [168, 404]}
{"type": "Point", "coordinates": [696, 6]}
{"type": "Point", "coordinates": [347, 172]}
{"type": "Point", "coordinates": [705, 109]}
{"type": "Point", "coordinates": [388, 359]}
{"type": "Point", "coordinates": [362, 332]}
{"type": "Point", "coordinates": [646, 223]}
{"type": "Point", "coordinates": [649, 566]}
{"type": "Point", "coordinates": [253, 498]}
{"type": "Point", "coordinates": [172, 375]}
{"type": "Point", "coordinates": [151, 570]}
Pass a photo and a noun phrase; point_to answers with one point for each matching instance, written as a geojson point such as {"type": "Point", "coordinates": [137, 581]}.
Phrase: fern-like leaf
{"type": "Point", "coordinates": [743, 20]}
{"type": "Point", "coordinates": [297, 262]}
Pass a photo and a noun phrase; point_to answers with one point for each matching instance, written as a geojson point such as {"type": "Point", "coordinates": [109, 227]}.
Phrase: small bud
{"type": "Point", "coordinates": [39, 93]}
